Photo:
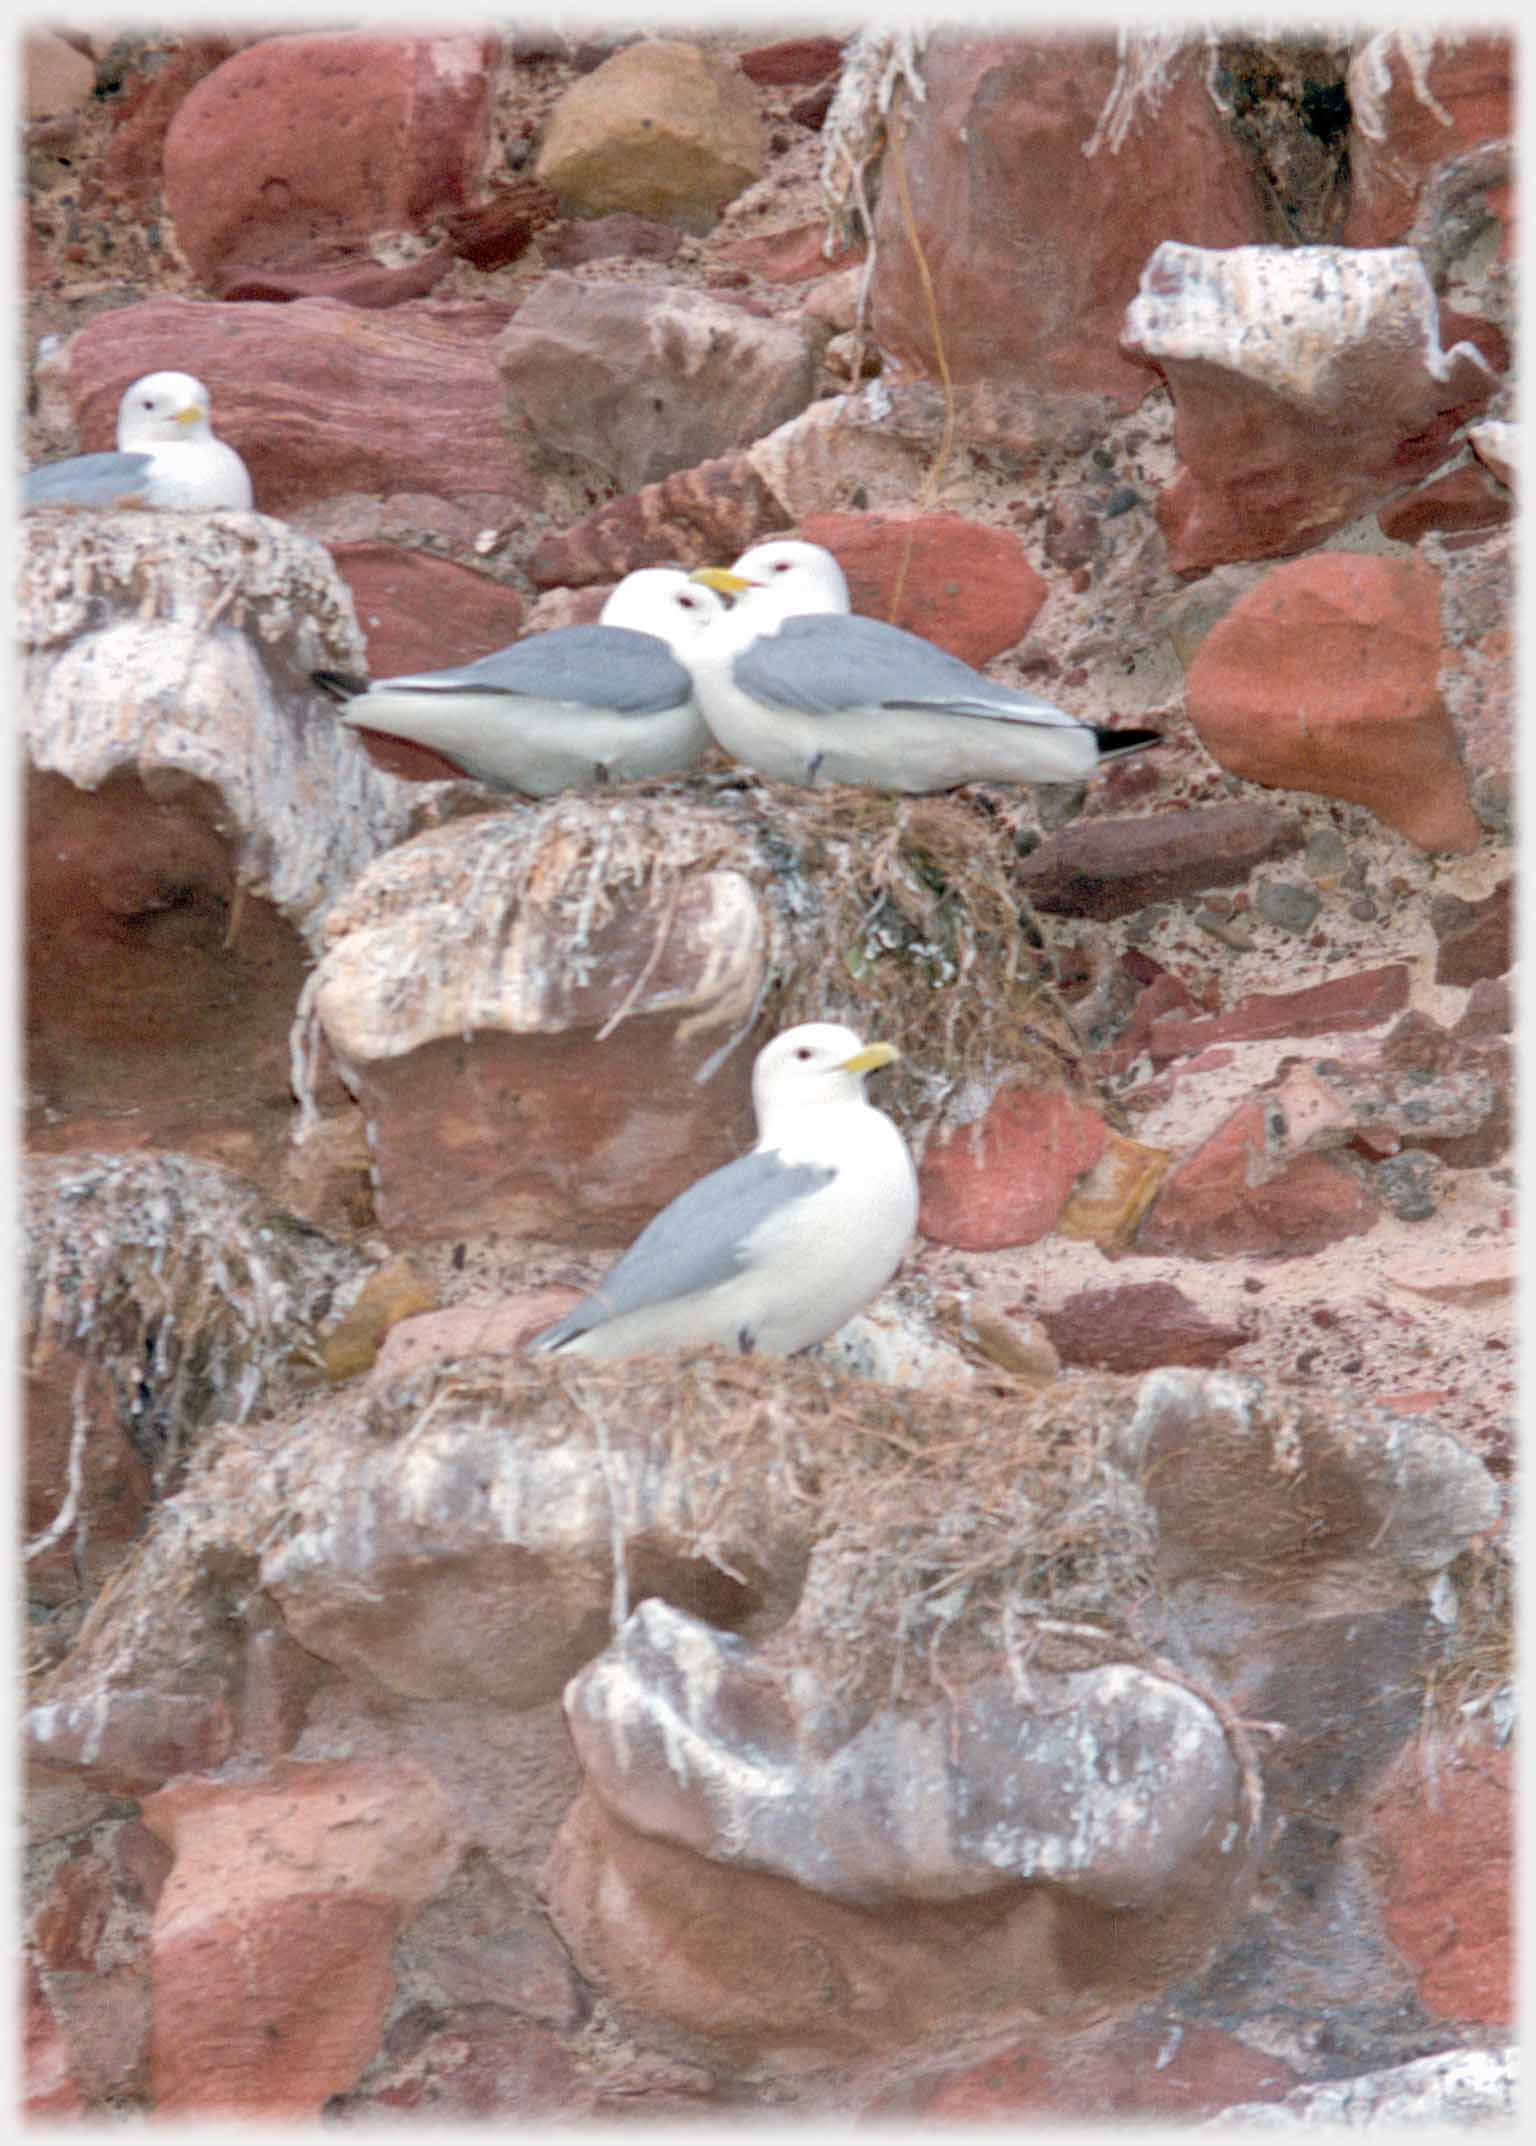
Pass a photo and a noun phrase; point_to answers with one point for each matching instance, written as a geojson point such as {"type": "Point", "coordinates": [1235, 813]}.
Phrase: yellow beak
{"type": "Point", "coordinates": [871, 1058]}
{"type": "Point", "coordinates": [722, 580]}
{"type": "Point", "coordinates": [191, 415]}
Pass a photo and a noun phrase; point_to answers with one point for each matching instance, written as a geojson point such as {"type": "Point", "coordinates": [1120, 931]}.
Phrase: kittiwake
{"type": "Point", "coordinates": [781, 1247]}
{"type": "Point", "coordinates": [166, 456]}
{"type": "Point", "coordinates": [795, 686]}
{"type": "Point", "coordinates": [566, 709]}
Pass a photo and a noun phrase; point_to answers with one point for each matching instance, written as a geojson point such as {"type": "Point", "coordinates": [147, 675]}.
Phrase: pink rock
{"type": "Point", "coordinates": [606, 238]}
{"type": "Point", "coordinates": [1033, 244]}
{"type": "Point", "coordinates": [1325, 677]}
{"type": "Point", "coordinates": [273, 1936]}
{"type": "Point", "coordinates": [1477, 676]}
{"type": "Point", "coordinates": [1109, 867]}
{"type": "Point", "coordinates": [1420, 102]}
{"type": "Point", "coordinates": [1309, 385]}
{"type": "Point", "coordinates": [965, 585]}
{"type": "Point", "coordinates": [302, 142]}
{"type": "Point", "coordinates": [1459, 1277]}
{"type": "Point", "coordinates": [57, 77]}
{"type": "Point", "coordinates": [1229, 1199]}
{"type": "Point", "coordinates": [1342, 1003]}
{"type": "Point", "coordinates": [351, 281]}
{"type": "Point", "coordinates": [1467, 499]}
{"type": "Point", "coordinates": [320, 398]}
{"type": "Point", "coordinates": [1443, 1840]}
{"type": "Point", "coordinates": [796, 255]}
{"type": "Point", "coordinates": [1006, 1179]}
{"type": "Point", "coordinates": [68, 1927]}
{"type": "Point", "coordinates": [126, 1740]}
{"type": "Point", "coordinates": [49, 2086]}
{"type": "Point", "coordinates": [1137, 1326]}
{"type": "Point", "coordinates": [498, 1329]}
{"type": "Point", "coordinates": [473, 2060]}
{"type": "Point", "coordinates": [128, 172]}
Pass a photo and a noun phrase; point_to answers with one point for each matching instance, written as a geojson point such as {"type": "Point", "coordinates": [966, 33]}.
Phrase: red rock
{"type": "Point", "coordinates": [1181, 2071]}
{"type": "Point", "coordinates": [1162, 996]}
{"type": "Point", "coordinates": [962, 584]}
{"type": "Point", "coordinates": [1034, 247]}
{"type": "Point", "coordinates": [490, 233]}
{"type": "Point", "coordinates": [1466, 498]}
{"type": "Point", "coordinates": [1341, 1004]}
{"type": "Point", "coordinates": [127, 1741]}
{"type": "Point", "coordinates": [128, 171]}
{"type": "Point", "coordinates": [273, 1937]}
{"type": "Point", "coordinates": [1432, 100]}
{"type": "Point", "coordinates": [351, 281]}
{"type": "Point", "coordinates": [65, 1389]}
{"type": "Point", "coordinates": [713, 511]}
{"type": "Point", "coordinates": [1476, 939]}
{"type": "Point", "coordinates": [49, 2087]}
{"type": "Point", "coordinates": [320, 398]}
{"type": "Point", "coordinates": [69, 1925]}
{"type": "Point", "coordinates": [1137, 1326]}
{"type": "Point", "coordinates": [1110, 867]}
{"type": "Point", "coordinates": [795, 62]}
{"type": "Point", "coordinates": [1006, 1179]}
{"type": "Point", "coordinates": [1442, 1833]}
{"type": "Point", "coordinates": [1489, 1011]}
{"type": "Point", "coordinates": [1229, 1200]}
{"type": "Point", "coordinates": [474, 2060]}
{"type": "Point", "coordinates": [141, 1863]}
{"type": "Point", "coordinates": [301, 141]}
{"type": "Point", "coordinates": [1325, 678]}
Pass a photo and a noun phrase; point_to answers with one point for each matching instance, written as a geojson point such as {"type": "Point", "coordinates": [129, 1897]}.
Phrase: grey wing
{"type": "Point", "coordinates": [610, 667]}
{"type": "Point", "coordinates": [699, 1240]}
{"type": "Point", "coordinates": [821, 664]}
{"type": "Point", "coordinates": [87, 481]}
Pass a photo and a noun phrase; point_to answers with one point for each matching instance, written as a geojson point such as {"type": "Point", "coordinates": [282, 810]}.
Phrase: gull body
{"type": "Point", "coordinates": [563, 710]}
{"type": "Point", "coordinates": [781, 1247]}
{"type": "Point", "coordinates": [166, 457]}
{"type": "Point", "coordinates": [798, 688]}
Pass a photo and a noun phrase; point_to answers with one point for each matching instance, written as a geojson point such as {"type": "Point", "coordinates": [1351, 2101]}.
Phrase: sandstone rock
{"type": "Point", "coordinates": [491, 233]}
{"type": "Point", "coordinates": [320, 398]}
{"type": "Point", "coordinates": [1309, 385]}
{"type": "Point", "coordinates": [1109, 867]}
{"type": "Point", "coordinates": [48, 2083]}
{"type": "Point", "coordinates": [350, 282]}
{"type": "Point", "coordinates": [1244, 1192]}
{"type": "Point", "coordinates": [688, 1738]}
{"type": "Point", "coordinates": [632, 926]}
{"type": "Point", "coordinates": [641, 379]}
{"type": "Point", "coordinates": [495, 1507]}
{"type": "Point", "coordinates": [1419, 101]}
{"type": "Point", "coordinates": [959, 583]}
{"type": "Point", "coordinates": [794, 62]}
{"type": "Point", "coordinates": [1041, 173]}
{"type": "Point", "coordinates": [272, 1937]}
{"type": "Point", "coordinates": [1137, 1326]}
{"type": "Point", "coordinates": [1108, 1203]}
{"type": "Point", "coordinates": [796, 253]}
{"type": "Point", "coordinates": [187, 823]}
{"type": "Point", "coordinates": [1005, 1179]}
{"type": "Point", "coordinates": [315, 143]}
{"type": "Point", "coordinates": [391, 1294]}
{"type": "Point", "coordinates": [660, 129]}
{"type": "Point", "coordinates": [1326, 678]}
{"type": "Point", "coordinates": [57, 77]}
{"type": "Point", "coordinates": [1458, 1277]}
{"type": "Point", "coordinates": [1443, 1830]}
{"type": "Point", "coordinates": [1343, 1003]}
{"type": "Point", "coordinates": [606, 238]}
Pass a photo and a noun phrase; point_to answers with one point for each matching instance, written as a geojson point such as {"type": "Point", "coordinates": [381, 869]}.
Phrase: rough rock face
{"type": "Point", "coordinates": [1083, 1687]}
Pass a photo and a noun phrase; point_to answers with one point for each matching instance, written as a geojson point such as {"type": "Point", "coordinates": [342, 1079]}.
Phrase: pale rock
{"type": "Point", "coordinates": [57, 77]}
{"type": "Point", "coordinates": [1461, 2088]}
{"type": "Point", "coordinates": [660, 129]}
{"type": "Point", "coordinates": [599, 965]}
{"type": "Point", "coordinates": [1309, 385]}
{"type": "Point", "coordinates": [641, 379]}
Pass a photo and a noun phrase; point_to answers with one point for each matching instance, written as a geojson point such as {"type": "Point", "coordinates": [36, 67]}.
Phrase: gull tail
{"type": "Point", "coordinates": [339, 685]}
{"type": "Point", "coordinates": [1115, 742]}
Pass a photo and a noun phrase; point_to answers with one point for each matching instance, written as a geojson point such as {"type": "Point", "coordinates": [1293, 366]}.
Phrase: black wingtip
{"type": "Point", "coordinates": [1116, 742]}
{"type": "Point", "coordinates": [339, 685]}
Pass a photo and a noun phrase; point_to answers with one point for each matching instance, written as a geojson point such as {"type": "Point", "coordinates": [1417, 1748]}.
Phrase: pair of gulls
{"type": "Point", "coordinates": [786, 678]}
{"type": "Point", "coordinates": [783, 1246]}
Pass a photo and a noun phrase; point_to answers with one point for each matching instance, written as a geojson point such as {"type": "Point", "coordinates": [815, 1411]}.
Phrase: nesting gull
{"type": "Point", "coordinates": [566, 709]}
{"type": "Point", "coordinates": [166, 456]}
{"type": "Point", "coordinates": [781, 1247]}
{"type": "Point", "coordinates": [798, 688]}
